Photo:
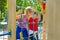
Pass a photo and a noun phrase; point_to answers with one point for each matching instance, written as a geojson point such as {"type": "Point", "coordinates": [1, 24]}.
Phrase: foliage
{"type": "Point", "coordinates": [19, 4]}
{"type": "Point", "coordinates": [24, 3]}
{"type": "Point", "coordinates": [3, 9]}
{"type": "Point", "coordinates": [3, 5]}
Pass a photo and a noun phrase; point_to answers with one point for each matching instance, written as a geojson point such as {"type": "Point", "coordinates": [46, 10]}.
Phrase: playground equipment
{"type": "Point", "coordinates": [3, 24]}
{"type": "Point", "coordinates": [12, 21]}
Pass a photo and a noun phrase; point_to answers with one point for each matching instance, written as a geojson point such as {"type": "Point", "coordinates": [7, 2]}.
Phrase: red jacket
{"type": "Point", "coordinates": [33, 26]}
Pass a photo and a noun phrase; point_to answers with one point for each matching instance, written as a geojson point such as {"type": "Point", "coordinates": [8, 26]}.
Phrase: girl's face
{"type": "Point", "coordinates": [28, 12]}
{"type": "Point", "coordinates": [18, 17]}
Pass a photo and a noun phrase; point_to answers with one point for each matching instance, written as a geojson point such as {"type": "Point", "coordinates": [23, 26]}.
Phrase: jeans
{"type": "Point", "coordinates": [24, 33]}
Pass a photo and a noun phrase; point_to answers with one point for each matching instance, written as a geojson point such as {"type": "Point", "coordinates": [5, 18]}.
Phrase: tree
{"type": "Point", "coordinates": [3, 5]}
{"type": "Point", "coordinates": [24, 3]}
{"type": "Point", "coordinates": [3, 9]}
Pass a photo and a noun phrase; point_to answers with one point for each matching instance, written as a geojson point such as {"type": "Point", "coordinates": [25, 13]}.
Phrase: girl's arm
{"type": "Point", "coordinates": [38, 16]}
{"type": "Point", "coordinates": [18, 14]}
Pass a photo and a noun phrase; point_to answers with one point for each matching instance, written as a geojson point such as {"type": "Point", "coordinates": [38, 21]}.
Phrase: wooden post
{"type": "Point", "coordinates": [12, 19]}
{"type": "Point", "coordinates": [53, 19]}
